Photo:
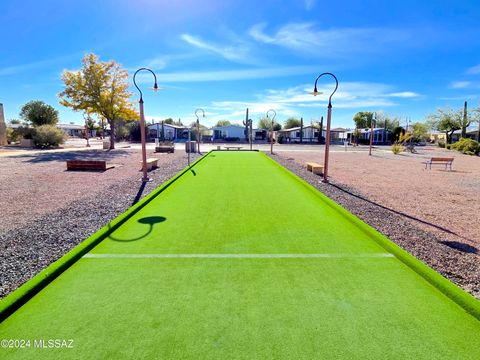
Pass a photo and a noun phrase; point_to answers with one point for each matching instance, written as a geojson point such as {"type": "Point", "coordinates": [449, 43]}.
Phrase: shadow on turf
{"type": "Point", "coordinates": [149, 220]}
{"type": "Point", "coordinates": [400, 213]}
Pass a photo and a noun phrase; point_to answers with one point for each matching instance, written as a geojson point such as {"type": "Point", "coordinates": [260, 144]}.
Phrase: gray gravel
{"type": "Point", "coordinates": [27, 250]}
{"type": "Point", "coordinates": [444, 253]}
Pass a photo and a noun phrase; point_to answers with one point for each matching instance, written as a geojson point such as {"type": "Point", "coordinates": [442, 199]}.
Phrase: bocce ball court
{"type": "Point", "coordinates": [238, 258]}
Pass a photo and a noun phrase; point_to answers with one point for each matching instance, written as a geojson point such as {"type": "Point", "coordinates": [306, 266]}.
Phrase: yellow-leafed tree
{"type": "Point", "coordinates": [99, 88]}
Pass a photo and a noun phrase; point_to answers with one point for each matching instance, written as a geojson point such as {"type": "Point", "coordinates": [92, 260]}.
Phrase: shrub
{"type": "Point", "coordinates": [48, 135]}
{"type": "Point", "coordinates": [441, 143]}
{"type": "Point", "coordinates": [13, 136]}
{"type": "Point", "coordinates": [25, 132]}
{"type": "Point", "coordinates": [467, 146]}
{"type": "Point", "coordinates": [397, 148]}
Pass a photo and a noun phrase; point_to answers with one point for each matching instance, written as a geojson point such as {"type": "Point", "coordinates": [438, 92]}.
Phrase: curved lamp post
{"type": "Point", "coordinates": [329, 119]}
{"type": "Point", "coordinates": [273, 122]}
{"type": "Point", "coordinates": [198, 127]}
{"type": "Point", "coordinates": [142, 123]}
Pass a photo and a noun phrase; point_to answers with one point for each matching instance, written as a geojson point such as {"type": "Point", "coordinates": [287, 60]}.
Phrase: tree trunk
{"type": "Point", "coordinates": [112, 133]}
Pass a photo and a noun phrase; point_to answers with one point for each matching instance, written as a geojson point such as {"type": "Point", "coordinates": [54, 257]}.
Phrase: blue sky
{"type": "Point", "coordinates": [405, 58]}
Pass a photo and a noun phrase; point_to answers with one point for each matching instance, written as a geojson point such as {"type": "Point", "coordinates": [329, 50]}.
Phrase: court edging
{"type": "Point", "coordinates": [27, 290]}
{"type": "Point", "coordinates": [449, 289]}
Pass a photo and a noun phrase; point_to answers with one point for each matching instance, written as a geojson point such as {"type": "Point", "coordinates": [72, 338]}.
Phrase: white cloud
{"type": "Point", "coordinates": [230, 75]}
{"type": "Point", "coordinates": [460, 84]}
{"type": "Point", "coordinates": [404, 94]}
{"type": "Point", "coordinates": [474, 70]}
{"type": "Point", "coordinates": [290, 101]}
{"type": "Point", "coordinates": [237, 53]}
{"type": "Point", "coordinates": [306, 38]}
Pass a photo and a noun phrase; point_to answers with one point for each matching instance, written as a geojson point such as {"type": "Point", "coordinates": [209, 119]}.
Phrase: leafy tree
{"type": "Point", "coordinates": [385, 121]}
{"type": "Point", "coordinates": [168, 121]}
{"type": "Point", "coordinates": [291, 123]}
{"type": "Point", "coordinates": [223, 123]}
{"type": "Point", "coordinates": [14, 121]}
{"type": "Point", "coordinates": [420, 132]}
{"type": "Point", "coordinates": [38, 113]}
{"type": "Point", "coordinates": [476, 118]}
{"type": "Point", "coordinates": [446, 120]}
{"type": "Point", "coordinates": [363, 119]}
{"type": "Point", "coordinates": [99, 88]}
{"type": "Point", "coordinates": [398, 133]}
{"type": "Point", "coordinates": [265, 123]}
{"type": "Point", "coordinates": [90, 124]}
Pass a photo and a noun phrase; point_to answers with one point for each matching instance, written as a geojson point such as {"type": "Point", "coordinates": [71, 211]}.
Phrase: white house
{"type": "Point", "coordinates": [381, 136]}
{"type": "Point", "coordinates": [170, 132]}
{"type": "Point", "coordinates": [229, 132]}
{"type": "Point", "coordinates": [310, 134]}
{"type": "Point", "coordinates": [72, 129]}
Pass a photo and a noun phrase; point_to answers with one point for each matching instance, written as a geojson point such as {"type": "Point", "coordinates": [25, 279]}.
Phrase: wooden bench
{"type": "Point", "coordinates": [233, 147]}
{"type": "Point", "coordinates": [165, 147]}
{"type": "Point", "coordinates": [440, 161]}
{"type": "Point", "coordinates": [86, 165]}
{"type": "Point", "coordinates": [151, 163]}
{"type": "Point", "coordinates": [314, 168]}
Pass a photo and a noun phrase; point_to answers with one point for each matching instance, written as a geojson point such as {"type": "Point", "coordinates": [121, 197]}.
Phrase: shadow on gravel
{"type": "Point", "coordinates": [399, 212]}
{"type": "Point", "coordinates": [75, 155]}
{"type": "Point", "coordinates": [460, 246]}
{"type": "Point", "coordinates": [139, 193]}
{"type": "Point", "coordinates": [149, 220]}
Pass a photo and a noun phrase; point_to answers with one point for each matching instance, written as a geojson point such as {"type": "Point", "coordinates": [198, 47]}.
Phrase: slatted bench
{"type": "Point", "coordinates": [100, 165]}
{"type": "Point", "coordinates": [439, 161]}
{"type": "Point", "coordinates": [151, 163]}
{"type": "Point", "coordinates": [165, 148]}
{"type": "Point", "coordinates": [314, 168]}
{"type": "Point", "coordinates": [233, 147]}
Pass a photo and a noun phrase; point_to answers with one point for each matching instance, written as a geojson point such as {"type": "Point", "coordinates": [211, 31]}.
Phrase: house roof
{"type": "Point", "coordinates": [169, 125]}
{"type": "Point", "coordinates": [71, 126]}
{"type": "Point", "coordinates": [228, 126]}
{"type": "Point", "coordinates": [297, 128]}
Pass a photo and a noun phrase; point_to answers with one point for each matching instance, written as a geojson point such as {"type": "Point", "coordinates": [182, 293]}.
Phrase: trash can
{"type": "Point", "coordinates": [191, 146]}
{"type": "Point", "coordinates": [106, 144]}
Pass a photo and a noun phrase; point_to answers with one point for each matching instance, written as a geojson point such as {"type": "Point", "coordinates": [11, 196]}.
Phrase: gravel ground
{"type": "Point", "coordinates": [441, 250]}
{"type": "Point", "coordinates": [67, 217]}
{"type": "Point", "coordinates": [443, 200]}
{"type": "Point", "coordinates": [63, 208]}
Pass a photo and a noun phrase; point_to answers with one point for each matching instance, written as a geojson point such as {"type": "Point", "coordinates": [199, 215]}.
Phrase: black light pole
{"type": "Point", "coordinates": [142, 123]}
{"type": "Point", "coordinates": [273, 123]}
{"type": "Point", "coordinates": [198, 127]}
{"type": "Point", "coordinates": [329, 119]}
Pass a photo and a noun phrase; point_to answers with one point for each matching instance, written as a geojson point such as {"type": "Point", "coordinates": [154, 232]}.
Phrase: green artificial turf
{"type": "Point", "coordinates": [284, 273]}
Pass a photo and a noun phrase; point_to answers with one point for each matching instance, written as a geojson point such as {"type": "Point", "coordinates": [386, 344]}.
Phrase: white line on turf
{"type": "Point", "coordinates": [238, 256]}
